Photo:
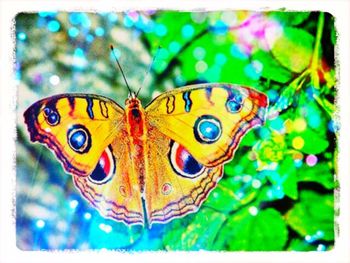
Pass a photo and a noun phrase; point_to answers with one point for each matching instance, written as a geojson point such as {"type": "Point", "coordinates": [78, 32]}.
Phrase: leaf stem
{"type": "Point", "coordinates": [319, 33]}
{"type": "Point", "coordinates": [316, 53]}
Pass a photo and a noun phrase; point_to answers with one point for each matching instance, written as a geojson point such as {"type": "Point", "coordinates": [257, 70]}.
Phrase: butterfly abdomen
{"type": "Point", "coordinates": [135, 119]}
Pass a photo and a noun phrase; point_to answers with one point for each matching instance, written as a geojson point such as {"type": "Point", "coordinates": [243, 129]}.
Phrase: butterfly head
{"type": "Point", "coordinates": [132, 101]}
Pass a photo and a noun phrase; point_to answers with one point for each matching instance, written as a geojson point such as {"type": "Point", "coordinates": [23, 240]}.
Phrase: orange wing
{"type": "Point", "coordinates": [208, 119]}
{"type": "Point", "coordinates": [76, 127]}
{"type": "Point", "coordinates": [114, 192]}
{"type": "Point", "coordinates": [176, 184]}
{"type": "Point", "coordinates": [87, 134]}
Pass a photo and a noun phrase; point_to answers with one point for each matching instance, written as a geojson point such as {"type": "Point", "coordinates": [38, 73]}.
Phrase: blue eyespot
{"type": "Point", "coordinates": [207, 129]}
{"type": "Point", "coordinates": [52, 116]}
{"type": "Point", "coordinates": [79, 139]}
{"type": "Point", "coordinates": [233, 106]}
{"type": "Point", "coordinates": [234, 102]}
{"type": "Point", "coordinates": [47, 111]}
{"type": "Point", "coordinates": [184, 163]}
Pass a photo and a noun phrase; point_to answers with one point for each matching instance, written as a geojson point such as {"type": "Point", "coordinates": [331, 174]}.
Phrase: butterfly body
{"type": "Point", "coordinates": [137, 136]}
{"type": "Point", "coordinates": [147, 165]}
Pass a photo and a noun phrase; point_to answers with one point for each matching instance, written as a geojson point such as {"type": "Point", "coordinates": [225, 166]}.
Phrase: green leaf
{"type": "Point", "coordinates": [290, 18]}
{"type": "Point", "coordinates": [285, 99]}
{"type": "Point", "coordinates": [231, 194]}
{"type": "Point", "coordinates": [313, 216]}
{"type": "Point", "coordinates": [249, 139]}
{"type": "Point", "coordinates": [287, 171]}
{"type": "Point", "coordinates": [265, 231]}
{"type": "Point", "coordinates": [285, 178]}
{"type": "Point", "coordinates": [314, 143]}
{"type": "Point", "coordinates": [199, 234]}
{"type": "Point", "coordinates": [293, 49]}
{"type": "Point", "coordinates": [321, 173]}
{"type": "Point", "coordinates": [175, 36]}
{"type": "Point", "coordinates": [333, 33]}
{"type": "Point", "coordinates": [215, 63]}
{"type": "Point", "coordinates": [272, 70]}
{"type": "Point", "coordinates": [300, 245]}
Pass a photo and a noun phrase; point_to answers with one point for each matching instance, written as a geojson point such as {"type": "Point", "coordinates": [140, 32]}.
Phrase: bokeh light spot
{"type": "Point", "coordinates": [199, 53]}
{"type": "Point", "coordinates": [299, 124]}
{"type": "Point", "coordinates": [161, 30]}
{"type": "Point", "coordinates": [99, 31]}
{"type": "Point", "coordinates": [89, 38]}
{"type": "Point", "coordinates": [106, 228]}
{"type": "Point", "coordinates": [53, 26]}
{"type": "Point", "coordinates": [247, 178]}
{"type": "Point", "coordinates": [256, 183]}
{"type": "Point", "coordinates": [79, 53]}
{"type": "Point", "coordinates": [74, 18]}
{"type": "Point", "coordinates": [277, 124]}
{"type": "Point", "coordinates": [309, 238]}
{"type": "Point", "coordinates": [220, 59]}
{"type": "Point", "coordinates": [54, 80]}
{"type": "Point", "coordinates": [253, 70]}
{"type": "Point", "coordinates": [314, 120]}
{"type": "Point", "coordinates": [73, 204]}
{"type": "Point", "coordinates": [201, 66]}
{"type": "Point", "coordinates": [229, 17]}
{"type": "Point", "coordinates": [112, 17]}
{"type": "Point", "coordinates": [332, 126]}
{"type": "Point", "coordinates": [187, 31]}
{"type": "Point", "coordinates": [174, 47]}
{"type": "Point", "coordinates": [47, 14]}
{"type": "Point", "coordinates": [253, 210]}
{"type": "Point", "coordinates": [311, 160]}
{"type": "Point", "coordinates": [40, 223]}
{"type": "Point", "coordinates": [220, 27]}
{"type": "Point", "coordinates": [198, 17]}
{"type": "Point", "coordinates": [180, 80]}
{"type": "Point", "coordinates": [87, 216]}
{"type": "Point", "coordinates": [237, 52]}
{"type": "Point", "coordinates": [298, 143]}
{"type": "Point", "coordinates": [321, 247]}
{"type": "Point", "coordinates": [73, 32]}
{"type": "Point", "coordinates": [128, 22]}
{"type": "Point", "coordinates": [22, 36]}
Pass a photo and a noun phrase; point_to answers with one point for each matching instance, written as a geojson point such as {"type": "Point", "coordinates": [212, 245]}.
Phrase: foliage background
{"type": "Point", "coordinates": [278, 191]}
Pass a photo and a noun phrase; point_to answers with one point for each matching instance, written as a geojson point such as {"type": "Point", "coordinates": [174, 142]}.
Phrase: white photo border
{"type": "Point", "coordinates": [9, 252]}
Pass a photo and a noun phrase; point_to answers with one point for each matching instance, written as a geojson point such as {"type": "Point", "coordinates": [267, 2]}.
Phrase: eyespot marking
{"type": "Point", "coordinates": [183, 162]}
{"type": "Point", "coordinates": [207, 129]}
{"type": "Point", "coordinates": [51, 115]}
{"type": "Point", "coordinates": [234, 102]}
{"type": "Point", "coordinates": [166, 188]}
{"type": "Point", "coordinates": [105, 169]}
{"type": "Point", "coordinates": [79, 139]}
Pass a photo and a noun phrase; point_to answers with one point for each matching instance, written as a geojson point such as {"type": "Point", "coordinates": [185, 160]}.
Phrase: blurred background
{"type": "Point", "coordinates": [276, 194]}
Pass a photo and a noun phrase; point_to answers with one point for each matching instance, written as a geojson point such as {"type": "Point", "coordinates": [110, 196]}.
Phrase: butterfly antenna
{"type": "Point", "coordinates": [112, 49]}
{"type": "Point", "coordinates": [148, 70]}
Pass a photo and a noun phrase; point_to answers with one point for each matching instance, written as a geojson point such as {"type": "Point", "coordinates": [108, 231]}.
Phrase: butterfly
{"type": "Point", "coordinates": [147, 165]}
